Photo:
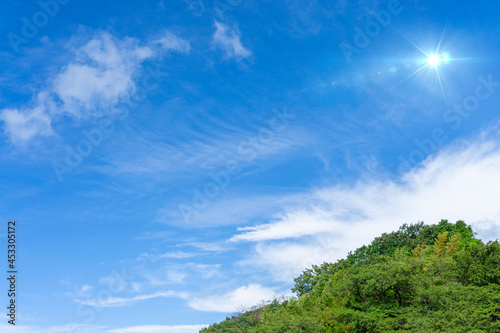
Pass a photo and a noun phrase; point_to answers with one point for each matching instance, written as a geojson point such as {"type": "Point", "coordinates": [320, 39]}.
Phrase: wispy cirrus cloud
{"type": "Point", "coordinates": [230, 209]}
{"type": "Point", "coordinates": [101, 75]}
{"type": "Point", "coordinates": [104, 329]}
{"type": "Point", "coordinates": [195, 6]}
{"type": "Point", "coordinates": [461, 182]}
{"type": "Point", "coordinates": [146, 154]}
{"type": "Point", "coordinates": [231, 301]}
{"type": "Point", "coordinates": [123, 301]}
{"type": "Point", "coordinates": [160, 329]}
{"type": "Point", "coordinates": [166, 255]}
{"type": "Point", "coordinates": [180, 274]}
{"type": "Point", "coordinates": [7, 328]}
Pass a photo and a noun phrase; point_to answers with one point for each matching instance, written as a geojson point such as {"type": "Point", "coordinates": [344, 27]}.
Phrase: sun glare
{"type": "Point", "coordinates": [431, 63]}
{"type": "Point", "coordinates": [433, 60]}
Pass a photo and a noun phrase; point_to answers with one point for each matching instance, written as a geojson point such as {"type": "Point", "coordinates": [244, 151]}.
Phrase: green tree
{"type": "Point", "coordinates": [420, 278]}
{"type": "Point", "coordinates": [440, 244]}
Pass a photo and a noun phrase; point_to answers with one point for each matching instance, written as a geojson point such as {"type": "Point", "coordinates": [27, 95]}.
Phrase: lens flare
{"type": "Point", "coordinates": [433, 60]}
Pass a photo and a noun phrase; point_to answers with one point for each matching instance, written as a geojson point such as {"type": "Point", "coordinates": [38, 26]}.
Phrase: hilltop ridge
{"type": "Point", "coordinates": [420, 278]}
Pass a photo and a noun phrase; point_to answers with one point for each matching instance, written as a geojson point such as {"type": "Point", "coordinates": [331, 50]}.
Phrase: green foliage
{"type": "Point", "coordinates": [440, 243]}
{"type": "Point", "coordinates": [237, 324]}
{"type": "Point", "coordinates": [315, 278]}
{"type": "Point", "coordinates": [419, 250]}
{"type": "Point", "coordinates": [460, 227]}
{"type": "Point", "coordinates": [421, 278]}
{"type": "Point", "coordinates": [292, 317]}
{"type": "Point", "coordinates": [409, 236]}
{"type": "Point", "coordinates": [478, 264]}
{"type": "Point", "coordinates": [454, 244]}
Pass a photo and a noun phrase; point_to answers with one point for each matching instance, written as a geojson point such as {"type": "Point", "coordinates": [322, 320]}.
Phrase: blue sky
{"type": "Point", "coordinates": [172, 162]}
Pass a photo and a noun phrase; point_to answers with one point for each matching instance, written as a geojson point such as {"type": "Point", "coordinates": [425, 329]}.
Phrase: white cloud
{"type": "Point", "coordinates": [83, 292]}
{"type": "Point", "coordinates": [204, 270]}
{"type": "Point", "coordinates": [460, 183]}
{"type": "Point", "coordinates": [290, 226]}
{"type": "Point", "coordinates": [178, 273]}
{"type": "Point", "coordinates": [167, 255]}
{"type": "Point", "coordinates": [243, 297]}
{"type": "Point", "coordinates": [195, 6]}
{"type": "Point", "coordinates": [160, 329]}
{"type": "Point", "coordinates": [154, 235]}
{"type": "Point", "coordinates": [171, 42]}
{"type": "Point", "coordinates": [164, 275]}
{"type": "Point", "coordinates": [86, 288]}
{"type": "Point", "coordinates": [86, 328]}
{"type": "Point", "coordinates": [202, 154]}
{"type": "Point", "coordinates": [22, 125]}
{"type": "Point", "coordinates": [83, 328]}
{"type": "Point", "coordinates": [229, 40]}
{"type": "Point", "coordinates": [122, 301]}
{"type": "Point", "coordinates": [208, 247]}
{"type": "Point", "coordinates": [145, 157]}
{"type": "Point", "coordinates": [285, 260]}
{"type": "Point", "coordinates": [101, 75]}
{"type": "Point", "coordinates": [229, 208]}
{"type": "Point", "coordinates": [74, 328]}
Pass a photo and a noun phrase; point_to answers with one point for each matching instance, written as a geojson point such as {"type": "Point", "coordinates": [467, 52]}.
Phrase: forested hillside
{"type": "Point", "coordinates": [421, 278]}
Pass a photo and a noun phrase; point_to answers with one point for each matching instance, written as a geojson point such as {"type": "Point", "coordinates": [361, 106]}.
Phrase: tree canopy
{"type": "Point", "coordinates": [420, 278]}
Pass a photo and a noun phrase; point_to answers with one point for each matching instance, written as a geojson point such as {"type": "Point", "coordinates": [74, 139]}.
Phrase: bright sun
{"type": "Point", "coordinates": [433, 60]}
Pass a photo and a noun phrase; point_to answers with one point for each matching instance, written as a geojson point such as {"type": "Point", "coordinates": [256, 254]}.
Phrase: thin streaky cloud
{"type": "Point", "coordinates": [123, 301]}
{"type": "Point", "coordinates": [159, 329]}
{"type": "Point", "coordinates": [461, 182]}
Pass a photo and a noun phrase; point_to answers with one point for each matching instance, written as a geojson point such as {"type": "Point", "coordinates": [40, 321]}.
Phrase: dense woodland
{"type": "Point", "coordinates": [421, 278]}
